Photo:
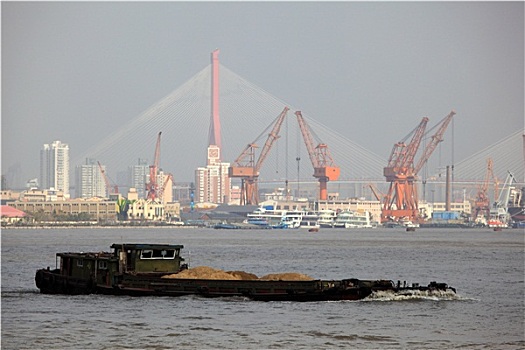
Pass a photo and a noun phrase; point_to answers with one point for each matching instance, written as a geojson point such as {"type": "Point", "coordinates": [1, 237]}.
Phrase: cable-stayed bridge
{"type": "Point", "coordinates": [183, 116]}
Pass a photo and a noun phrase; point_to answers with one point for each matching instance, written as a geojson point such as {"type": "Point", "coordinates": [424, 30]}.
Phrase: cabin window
{"type": "Point", "coordinates": [103, 265]}
{"type": "Point", "coordinates": [157, 254]}
{"type": "Point", "coordinates": [80, 262]}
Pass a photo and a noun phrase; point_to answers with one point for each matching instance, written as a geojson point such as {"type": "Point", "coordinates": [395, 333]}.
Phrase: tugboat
{"type": "Point", "coordinates": [145, 270]}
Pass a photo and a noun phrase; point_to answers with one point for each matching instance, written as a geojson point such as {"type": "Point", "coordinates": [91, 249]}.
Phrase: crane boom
{"type": "Point", "coordinates": [163, 188]}
{"type": "Point", "coordinates": [152, 186]}
{"type": "Point", "coordinates": [401, 159]}
{"type": "Point", "coordinates": [436, 139]}
{"type": "Point", "coordinates": [272, 136]}
{"type": "Point", "coordinates": [106, 180]}
{"type": "Point", "coordinates": [247, 168]}
{"type": "Point", "coordinates": [308, 140]}
{"type": "Point", "coordinates": [104, 176]}
{"type": "Point", "coordinates": [322, 161]}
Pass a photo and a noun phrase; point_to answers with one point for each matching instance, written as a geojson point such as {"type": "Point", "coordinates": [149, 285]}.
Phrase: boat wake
{"type": "Point", "coordinates": [434, 295]}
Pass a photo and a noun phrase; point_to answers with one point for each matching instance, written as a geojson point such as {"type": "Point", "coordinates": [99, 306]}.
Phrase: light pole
{"type": "Point", "coordinates": [298, 159]}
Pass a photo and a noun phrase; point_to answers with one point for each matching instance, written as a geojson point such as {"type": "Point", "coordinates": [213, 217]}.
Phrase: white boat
{"type": "Point", "coordinates": [309, 220]}
{"type": "Point", "coordinates": [277, 218]}
{"type": "Point", "coordinates": [327, 218]}
{"type": "Point", "coordinates": [353, 219]}
{"type": "Point", "coordinates": [408, 223]}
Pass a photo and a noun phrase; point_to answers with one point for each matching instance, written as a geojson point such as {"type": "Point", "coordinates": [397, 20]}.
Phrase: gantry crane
{"type": "Point", "coordinates": [401, 201]}
{"type": "Point", "coordinates": [246, 168]}
{"type": "Point", "coordinates": [152, 187]}
{"type": "Point", "coordinates": [482, 201]}
{"type": "Point", "coordinates": [106, 180]}
{"type": "Point", "coordinates": [324, 168]}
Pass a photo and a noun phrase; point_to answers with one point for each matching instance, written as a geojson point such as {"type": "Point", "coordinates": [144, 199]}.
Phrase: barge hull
{"type": "Point", "coordinates": [51, 282]}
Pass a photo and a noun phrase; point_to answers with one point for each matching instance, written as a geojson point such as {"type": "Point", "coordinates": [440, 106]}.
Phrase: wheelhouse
{"type": "Point", "coordinates": [125, 258]}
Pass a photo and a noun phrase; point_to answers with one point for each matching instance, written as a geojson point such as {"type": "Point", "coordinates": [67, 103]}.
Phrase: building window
{"type": "Point", "coordinates": [80, 262]}
{"type": "Point", "coordinates": [102, 264]}
{"type": "Point", "coordinates": [157, 254]}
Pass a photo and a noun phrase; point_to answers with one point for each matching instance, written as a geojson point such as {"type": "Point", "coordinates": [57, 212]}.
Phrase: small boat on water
{"type": "Point", "coordinates": [153, 270]}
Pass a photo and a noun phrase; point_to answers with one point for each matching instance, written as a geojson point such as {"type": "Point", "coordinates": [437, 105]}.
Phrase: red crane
{"type": "Point", "coordinates": [324, 168]}
{"type": "Point", "coordinates": [106, 180]}
{"type": "Point", "coordinates": [152, 187]}
{"type": "Point", "coordinates": [246, 168]}
{"type": "Point", "coordinates": [482, 201]}
{"type": "Point", "coordinates": [401, 201]}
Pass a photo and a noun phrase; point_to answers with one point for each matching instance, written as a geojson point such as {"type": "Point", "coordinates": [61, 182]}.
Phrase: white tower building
{"type": "Point", "coordinates": [54, 167]}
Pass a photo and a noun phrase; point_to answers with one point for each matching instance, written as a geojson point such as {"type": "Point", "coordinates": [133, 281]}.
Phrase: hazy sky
{"type": "Point", "coordinates": [77, 72]}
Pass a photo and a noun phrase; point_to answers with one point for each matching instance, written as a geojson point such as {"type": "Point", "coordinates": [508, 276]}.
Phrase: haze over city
{"type": "Point", "coordinates": [83, 72]}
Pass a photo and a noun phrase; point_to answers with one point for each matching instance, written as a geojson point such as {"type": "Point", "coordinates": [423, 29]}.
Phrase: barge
{"type": "Point", "coordinates": [148, 270]}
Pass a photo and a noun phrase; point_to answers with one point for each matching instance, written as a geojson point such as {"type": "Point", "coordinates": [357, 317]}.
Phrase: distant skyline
{"type": "Point", "coordinates": [78, 72]}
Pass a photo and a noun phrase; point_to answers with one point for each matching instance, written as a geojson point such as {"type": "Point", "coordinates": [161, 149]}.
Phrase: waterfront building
{"type": "Point", "coordinates": [145, 209]}
{"type": "Point", "coordinates": [54, 167]}
{"type": "Point", "coordinates": [212, 183]}
{"type": "Point", "coordinates": [99, 210]}
{"type": "Point", "coordinates": [48, 195]}
{"type": "Point", "coordinates": [89, 181]}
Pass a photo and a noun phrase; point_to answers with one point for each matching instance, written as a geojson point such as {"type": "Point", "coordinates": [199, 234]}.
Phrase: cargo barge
{"type": "Point", "coordinates": [148, 270]}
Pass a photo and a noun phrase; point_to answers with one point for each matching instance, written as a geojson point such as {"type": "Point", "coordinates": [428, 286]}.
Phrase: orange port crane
{"type": "Point", "coordinates": [401, 201]}
{"type": "Point", "coordinates": [152, 187]}
{"type": "Point", "coordinates": [106, 180]}
{"type": "Point", "coordinates": [482, 201]}
{"type": "Point", "coordinates": [246, 168]}
{"type": "Point", "coordinates": [324, 168]}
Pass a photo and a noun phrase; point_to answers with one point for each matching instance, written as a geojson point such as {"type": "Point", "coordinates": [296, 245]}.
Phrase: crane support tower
{"type": "Point", "coordinates": [247, 168]}
{"type": "Point", "coordinates": [152, 187]}
{"type": "Point", "coordinates": [401, 200]}
{"type": "Point", "coordinates": [324, 168]}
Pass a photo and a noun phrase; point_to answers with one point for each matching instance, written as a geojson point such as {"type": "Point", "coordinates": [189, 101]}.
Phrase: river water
{"type": "Point", "coordinates": [486, 268]}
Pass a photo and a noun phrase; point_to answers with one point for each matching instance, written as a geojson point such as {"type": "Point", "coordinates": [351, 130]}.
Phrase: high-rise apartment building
{"type": "Point", "coordinates": [212, 183]}
{"type": "Point", "coordinates": [54, 167]}
{"type": "Point", "coordinates": [139, 176]}
{"type": "Point", "coordinates": [89, 181]}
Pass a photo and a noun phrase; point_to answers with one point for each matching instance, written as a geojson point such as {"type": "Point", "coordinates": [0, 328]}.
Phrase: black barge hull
{"type": "Point", "coordinates": [52, 282]}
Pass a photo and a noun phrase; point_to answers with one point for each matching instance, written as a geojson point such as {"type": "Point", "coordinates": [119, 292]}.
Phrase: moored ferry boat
{"type": "Point", "coordinates": [353, 219]}
{"type": "Point", "coordinates": [149, 270]}
{"type": "Point", "coordinates": [310, 220]}
{"type": "Point", "coordinates": [277, 218]}
{"type": "Point", "coordinates": [327, 218]}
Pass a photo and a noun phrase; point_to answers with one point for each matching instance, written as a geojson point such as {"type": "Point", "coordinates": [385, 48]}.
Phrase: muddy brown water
{"type": "Point", "coordinates": [486, 267]}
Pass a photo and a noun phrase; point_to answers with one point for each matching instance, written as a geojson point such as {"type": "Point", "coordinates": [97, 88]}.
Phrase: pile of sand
{"type": "Point", "coordinates": [287, 276]}
{"type": "Point", "coordinates": [203, 272]}
{"type": "Point", "coordinates": [206, 272]}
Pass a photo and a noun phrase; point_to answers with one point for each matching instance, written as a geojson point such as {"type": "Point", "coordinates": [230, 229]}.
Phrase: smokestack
{"type": "Point", "coordinates": [214, 135]}
{"type": "Point", "coordinates": [447, 192]}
